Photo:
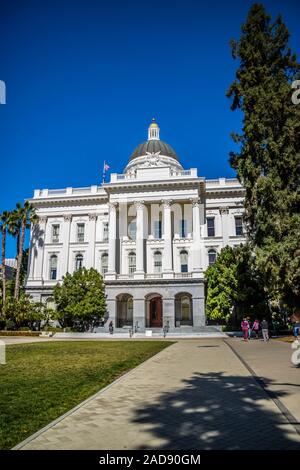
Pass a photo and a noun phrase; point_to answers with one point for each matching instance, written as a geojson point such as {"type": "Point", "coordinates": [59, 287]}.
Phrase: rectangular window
{"type": "Point", "coordinates": [104, 263]}
{"type": "Point", "coordinates": [157, 266]}
{"type": "Point", "coordinates": [157, 229]}
{"type": "Point", "coordinates": [157, 262]}
{"type": "Point", "coordinates": [80, 233]}
{"type": "Point", "coordinates": [238, 226]}
{"type": "Point", "coordinates": [53, 267]}
{"type": "Point", "coordinates": [183, 228]}
{"type": "Point", "coordinates": [55, 233]}
{"type": "Point", "coordinates": [210, 226]}
{"type": "Point", "coordinates": [105, 232]}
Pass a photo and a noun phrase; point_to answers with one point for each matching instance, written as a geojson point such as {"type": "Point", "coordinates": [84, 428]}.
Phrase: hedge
{"type": "Point", "coordinates": [19, 333]}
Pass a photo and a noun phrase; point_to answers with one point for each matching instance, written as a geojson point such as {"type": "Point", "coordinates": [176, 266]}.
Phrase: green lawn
{"type": "Point", "coordinates": [42, 381]}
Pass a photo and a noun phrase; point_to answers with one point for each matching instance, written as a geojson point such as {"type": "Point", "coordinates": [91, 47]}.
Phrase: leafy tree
{"type": "Point", "coordinates": [234, 286]}
{"type": "Point", "coordinates": [80, 299]}
{"type": "Point", "coordinates": [221, 285]}
{"type": "Point", "coordinates": [24, 312]}
{"type": "Point", "coordinates": [268, 161]}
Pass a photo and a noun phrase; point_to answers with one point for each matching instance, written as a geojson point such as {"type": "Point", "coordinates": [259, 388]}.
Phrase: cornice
{"type": "Point", "coordinates": [157, 282]}
{"type": "Point", "coordinates": [68, 201]}
{"type": "Point", "coordinates": [150, 184]}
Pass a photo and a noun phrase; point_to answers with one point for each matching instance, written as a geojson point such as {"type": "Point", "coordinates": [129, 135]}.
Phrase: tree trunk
{"type": "Point", "coordinates": [3, 269]}
{"type": "Point", "coordinates": [19, 262]}
{"type": "Point", "coordinates": [18, 246]}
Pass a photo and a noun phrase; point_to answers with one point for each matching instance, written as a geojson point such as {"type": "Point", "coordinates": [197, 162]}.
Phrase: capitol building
{"type": "Point", "coordinates": [151, 231]}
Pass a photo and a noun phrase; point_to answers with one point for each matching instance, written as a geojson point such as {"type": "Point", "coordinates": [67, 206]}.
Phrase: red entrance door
{"type": "Point", "coordinates": [156, 312]}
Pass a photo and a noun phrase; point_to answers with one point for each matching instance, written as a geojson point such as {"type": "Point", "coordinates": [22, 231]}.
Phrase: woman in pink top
{"type": "Point", "coordinates": [255, 327]}
{"type": "Point", "coordinates": [245, 327]}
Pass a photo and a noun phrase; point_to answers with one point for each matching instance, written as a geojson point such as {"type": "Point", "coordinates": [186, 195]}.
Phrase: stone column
{"type": "Point", "coordinates": [139, 315]}
{"type": "Point", "coordinates": [39, 245]}
{"type": "Point", "coordinates": [139, 273]}
{"type": "Point", "coordinates": [65, 241]}
{"type": "Point", "coordinates": [224, 211]}
{"type": "Point", "coordinates": [91, 239]}
{"type": "Point", "coordinates": [169, 311]}
{"type": "Point", "coordinates": [31, 253]}
{"type": "Point", "coordinates": [202, 234]}
{"type": "Point", "coordinates": [112, 233]}
{"type": "Point", "coordinates": [167, 254]}
{"type": "Point", "coordinates": [112, 313]}
{"type": "Point", "coordinates": [199, 308]}
{"type": "Point", "coordinates": [196, 258]}
{"type": "Point", "coordinates": [123, 234]}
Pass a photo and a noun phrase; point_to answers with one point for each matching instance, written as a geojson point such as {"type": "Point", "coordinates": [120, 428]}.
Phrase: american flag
{"type": "Point", "coordinates": [106, 167]}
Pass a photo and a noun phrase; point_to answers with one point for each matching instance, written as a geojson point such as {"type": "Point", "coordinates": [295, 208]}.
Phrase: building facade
{"type": "Point", "coordinates": [152, 231]}
{"type": "Point", "coordinates": [10, 269]}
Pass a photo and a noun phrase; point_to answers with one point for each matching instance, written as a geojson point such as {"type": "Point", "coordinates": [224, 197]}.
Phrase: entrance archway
{"type": "Point", "coordinates": [154, 309]}
{"type": "Point", "coordinates": [124, 310]}
{"type": "Point", "coordinates": [183, 309]}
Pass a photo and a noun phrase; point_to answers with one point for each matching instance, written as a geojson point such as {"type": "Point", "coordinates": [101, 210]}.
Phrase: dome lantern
{"type": "Point", "coordinates": [153, 131]}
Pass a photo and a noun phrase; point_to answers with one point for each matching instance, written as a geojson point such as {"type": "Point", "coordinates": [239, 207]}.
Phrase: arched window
{"type": "Point", "coordinates": [53, 267]}
{"type": "Point", "coordinates": [104, 263]}
{"type": "Point", "coordinates": [157, 262]}
{"type": "Point", "coordinates": [132, 230]}
{"type": "Point", "coordinates": [212, 256]}
{"type": "Point", "coordinates": [124, 310]}
{"type": "Point", "coordinates": [50, 303]}
{"type": "Point", "coordinates": [183, 310]}
{"type": "Point", "coordinates": [184, 261]}
{"type": "Point", "coordinates": [78, 261]}
{"type": "Point", "coordinates": [132, 262]}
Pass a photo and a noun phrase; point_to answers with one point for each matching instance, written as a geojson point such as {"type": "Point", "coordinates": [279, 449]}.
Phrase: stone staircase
{"type": "Point", "coordinates": [123, 333]}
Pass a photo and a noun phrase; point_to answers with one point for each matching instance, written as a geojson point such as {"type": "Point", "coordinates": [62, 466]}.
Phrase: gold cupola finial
{"type": "Point", "coordinates": [153, 130]}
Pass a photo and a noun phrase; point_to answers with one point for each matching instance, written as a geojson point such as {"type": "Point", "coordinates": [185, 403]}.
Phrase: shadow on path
{"type": "Point", "coordinates": [217, 411]}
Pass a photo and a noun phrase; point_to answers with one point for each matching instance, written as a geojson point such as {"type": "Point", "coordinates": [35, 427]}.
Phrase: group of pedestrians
{"type": "Point", "coordinates": [248, 328]}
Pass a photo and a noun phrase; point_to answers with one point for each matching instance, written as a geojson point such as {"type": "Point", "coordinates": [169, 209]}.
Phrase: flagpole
{"type": "Point", "coordinates": [103, 173]}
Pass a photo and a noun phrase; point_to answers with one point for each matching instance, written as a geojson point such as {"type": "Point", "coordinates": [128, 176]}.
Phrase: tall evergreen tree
{"type": "Point", "coordinates": [234, 287]}
{"type": "Point", "coordinates": [268, 161]}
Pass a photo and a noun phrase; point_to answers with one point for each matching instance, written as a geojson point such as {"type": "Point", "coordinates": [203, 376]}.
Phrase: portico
{"type": "Point", "coordinates": [144, 241]}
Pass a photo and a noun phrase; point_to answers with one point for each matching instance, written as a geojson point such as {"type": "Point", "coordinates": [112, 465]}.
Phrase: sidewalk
{"type": "Point", "coordinates": [272, 362]}
{"type": "Point", "coordinates": [195, 394]}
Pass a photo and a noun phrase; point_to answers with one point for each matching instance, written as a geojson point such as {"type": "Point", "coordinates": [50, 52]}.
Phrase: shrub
{"type": "Point", "coordinates": [19, 333]}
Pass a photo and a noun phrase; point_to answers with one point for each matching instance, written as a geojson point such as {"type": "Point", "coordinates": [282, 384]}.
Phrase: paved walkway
{"type": "Point", "coordinates": [196, 394]}
{"type": "Point", "coordinates": [271, 362]}
{"type": "Point", "coordinates": [23, 339]}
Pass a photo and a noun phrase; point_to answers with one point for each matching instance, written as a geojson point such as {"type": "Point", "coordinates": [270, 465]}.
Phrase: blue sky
{"type": "Point", "coordinates": [84, 78]}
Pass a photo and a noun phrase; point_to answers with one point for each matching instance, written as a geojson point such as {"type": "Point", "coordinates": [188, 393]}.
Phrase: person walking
{"type": "Point", "coordinates": [111, 327]}
{"type": "Point", "coordinates": [265, 330]}
{"type": "Point", "coordinates": [245, 328]}
{"type": "Point", "coordinates": [250, 328]}
{"type": "Point", "coordinates": [255, 327]}
{"type": "Point", "coordinates": [296, 329]}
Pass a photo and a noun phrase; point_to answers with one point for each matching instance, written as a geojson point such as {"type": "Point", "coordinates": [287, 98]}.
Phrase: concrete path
{"type": "Point", "coordinates": [23, 339]}
{"type": "Point", "coordinates": [196, 394]}
{"type": "Point", "coordinates": [271, 361]}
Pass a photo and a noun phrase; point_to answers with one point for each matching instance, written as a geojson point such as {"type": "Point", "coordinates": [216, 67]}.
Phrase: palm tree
{"type": "Point", "coordinates": [27, 216]}
{"type": "Point", "coordinates": [4, 224]}
{"type": "Point", "coordinates": [14, 228]}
